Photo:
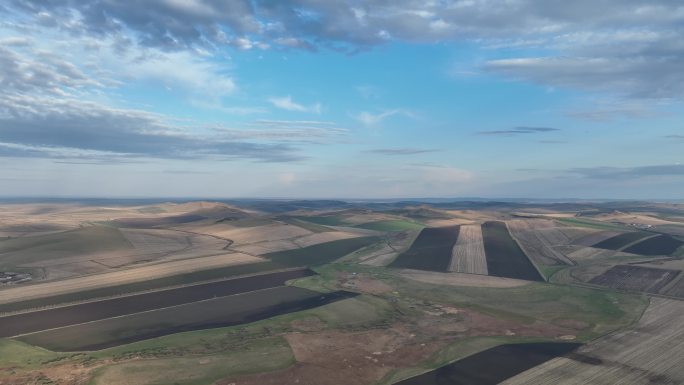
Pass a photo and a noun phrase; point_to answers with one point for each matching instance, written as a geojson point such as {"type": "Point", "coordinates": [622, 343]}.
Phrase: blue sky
{"type": "Point", "coordinates": [201, 98]}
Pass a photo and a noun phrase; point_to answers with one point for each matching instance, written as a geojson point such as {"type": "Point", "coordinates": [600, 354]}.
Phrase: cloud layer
{"type": "Point", "coordinates": [630, 48]}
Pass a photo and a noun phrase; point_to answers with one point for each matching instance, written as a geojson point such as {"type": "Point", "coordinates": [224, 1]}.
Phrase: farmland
{"type": "Point", "coordinates": [145, 277]}
{"type": "Point", "coordinates": [432, 250]}
{"type": "Point", "coordinates": [509, 361]}
{"type": "Point", "coordinates": [210, 313]}
{"type": "Point", "coordinates": [321, 253]}
{"type": "Point", "coordinates": [622, 240]}
{"type": "Point", "coordinates": [658, 245]}
{"type": "Point", "coordinates": [504, 256]}
{"type": "Point", "coordinates": [635, 278]}
{"type": "Point", "coordinates": [649, 353]}
{"type": "Point", "coordinates": [390, 225]}
{"type": "Point", "coordinates": [468, 252]}
{"type": "Point", "coordinates": [29, 322]}
{"type": "Point", "coordinates": [257, 293]}
{"type": "Point", "coordinates": [538, 238]}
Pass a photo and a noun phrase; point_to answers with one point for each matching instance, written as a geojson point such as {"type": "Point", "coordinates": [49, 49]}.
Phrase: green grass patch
{"type": "Point", "coordinates": [307, 225]}
{"type": "Point", "coordinates": [391, 225]}
{"type": "Point", "coordinates": [592, 224]}
{"type": "Point", "coordinates": [256, 356]}
{"type": "Point", "coordinates": [453, 352]}
{"type": "Point", "coordinates": [18, 354]}
{"type": "Point", "coordinates": [601, 310]}
{"type": "Point", "coordinates": [327, 220]}
{"type": "Point", "coordinates": [549, 271]}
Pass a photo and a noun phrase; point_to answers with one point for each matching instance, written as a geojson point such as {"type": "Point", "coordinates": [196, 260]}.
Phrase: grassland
{"type": "Point", "coordinates": [390, 225]}
{"type": "Point", "coordinates": [592, 224]}
{"type": "Point", "coordinates": [650, 353]}
{"type": "Point", "coordinates": [86, 240]}
{"type": "Point", "coordinates": [325, 220]}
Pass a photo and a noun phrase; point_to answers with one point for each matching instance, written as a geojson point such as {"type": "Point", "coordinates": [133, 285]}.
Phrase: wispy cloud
{"type": "Point", "coordinates": [286, 103]}
{"type": "Point", "coordinates": [372, 119]}
{"type": "Point", "coordinates": [676, 170]}
{"type": "Point", "coordinates": [524, 130]}
{"type": "Point", "coordinates": [402, 151]}
{"type": "Point", "coordinates": [606, 110]}
{"type": "Point", "coordinates": [62, 128]}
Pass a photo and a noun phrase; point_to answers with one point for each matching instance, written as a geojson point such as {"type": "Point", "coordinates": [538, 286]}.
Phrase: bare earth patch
{"type": "Point", "coordinates": [461, 279]}
{"type": "Point", "coordinates": [468, 254]}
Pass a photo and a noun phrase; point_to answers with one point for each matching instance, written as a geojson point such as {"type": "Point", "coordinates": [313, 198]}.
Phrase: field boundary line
{"type": "Point", "coordinates": [148, 311]}
{"type": "Point", "coordinates": [598, 287]}
{"type": "Point", "coordinates": [637, 241]}
{"type": "Point", "coordinates": [124, 295]}
{"type": "Point", "coordinates": [510, 234]}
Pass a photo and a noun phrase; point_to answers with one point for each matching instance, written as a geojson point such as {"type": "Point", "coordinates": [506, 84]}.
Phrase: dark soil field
{"type": "Point", "coordinates": [660, 245]}
{"type": "Point", "coordinates": [320, 254]}
{"type": "Point", "coordinates": [635, 278]}
{"type": "Point", "coordinates": [70, 315]}
{"type": "Point", "coordinates": [153, 284]}
{"type": "Point", "coordinates": [504, 256]}
{"type": "Point", "coordinates": [146, 223]}
{"type": "Point", "coordinates": [677, 290]}
{"type": "Point", "coordinates": [430, 251]}
{"type": "Point", "coordinates": [494, 365]}
{"type": "Point", "coordinates": [212, 313]}
{"type": "Point", "coordinates": [619, 241]}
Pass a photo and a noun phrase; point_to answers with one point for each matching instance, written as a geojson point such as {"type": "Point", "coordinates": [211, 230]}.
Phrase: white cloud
{"type": "Point", "coordinates": [286, 103]}
{"type": "Point", "coordinates": [371, 119]}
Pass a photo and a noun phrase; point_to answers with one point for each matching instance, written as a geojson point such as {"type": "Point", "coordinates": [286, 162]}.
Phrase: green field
{"type": "Point", "coordinates": [202, 369]}
{"type": "Point", "coordinates": [306, 225]}
{"type": "Point", "coordinates": [331, 220]}
{"type": "Point", "coordinates": [391, 225]}
{"type": "Point", "coordinates": [592, 224]}
{"type": "Point", "coordinates": [158, 283]}
{"type": "Point", "coordinates": [320, 254]}
{"type": "Point", "coordinates": [85, 240]}
{"type": "Point", "coordinates": [601, 310]}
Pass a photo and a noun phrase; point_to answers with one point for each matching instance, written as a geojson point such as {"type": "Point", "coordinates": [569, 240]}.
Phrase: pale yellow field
{"type": "Point", "coordinates": [248, 235]}
{"type": "Point", "coordinates": [329, 236]}
{"type": "Point", "coordinates": [629, 218]}
{"type": "Point", "coordinates": [649, 353]}
{"type": "Point", "coordinates": [393, 247]}
{"type": "Point", "coordinates": [538, 237]}
{"type": "Point", "coordinates": [461, 279]}
{"type": "Point", "coordinates": [468, 255]}
{"type": "Point", "coordinates": [24, 292]}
